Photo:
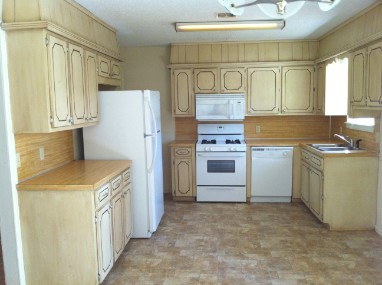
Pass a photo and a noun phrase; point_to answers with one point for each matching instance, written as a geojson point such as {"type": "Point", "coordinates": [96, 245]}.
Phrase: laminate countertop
{"type": "Point", "coordinates": [304, 143]}
{"type": "Point", "coordinates": [77, 175]}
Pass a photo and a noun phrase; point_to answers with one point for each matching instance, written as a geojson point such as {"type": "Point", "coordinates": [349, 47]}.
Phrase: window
{"type": "Point", "coordinates": [336, 87]}
{"type": "Point", "coordinates": [361, 124]}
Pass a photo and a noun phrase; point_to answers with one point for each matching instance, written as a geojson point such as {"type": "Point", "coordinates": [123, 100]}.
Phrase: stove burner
{"type": "Point", "coordinates": [233, 141]}
{"type": "Point", "coordinates": [208, 141]}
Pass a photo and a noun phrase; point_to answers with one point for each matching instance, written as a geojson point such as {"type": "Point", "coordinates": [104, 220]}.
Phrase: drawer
{"type": "Point", "coordinates": [183, 152]}
{"type": "Point", "coordinates": [102, 195]}
{"type": "Point", "coordinates": [316, 161]}
{"type": "Point", "coordinates": [305, 155]}
{"type": "Point", "coordinates": [126, 175]}
{"type": "Point", "coordinates": [116, 184]}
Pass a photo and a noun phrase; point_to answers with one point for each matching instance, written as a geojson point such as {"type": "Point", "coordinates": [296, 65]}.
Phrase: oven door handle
{"type": "Point", "coordinates": [222, 155]}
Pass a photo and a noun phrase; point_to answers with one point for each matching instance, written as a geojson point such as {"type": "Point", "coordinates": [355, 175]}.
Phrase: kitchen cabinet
{"type": "Point", "coordinates": [91, 81]}
{"type": "Point", "coordinates": [374, 75]}
{"type": "Point", "coordinates": [56, 90]}
{"type": "Point", "coordinates": [320, 89]}
{"type": "Point", "coordinates": [339, 189]}
{"type": "Point", "coordinates": [183, 172]}
{"type": "Point", "coordinates": [264, 87]}
{"type": "Point", "coordinates": [182, 93]}
{"type": "Point", "coordinates": [51, 205]}
{"type": "Point", "coordinates": [297, 89]}
{"type": "Point", "coordinates": [232, 80]}
{"type": "Point", "coordinates": [365, 83]}
{"type": "Point", "coordinates": [305, 172]}
{"type": "Point", "coordinates": [357, 77]}
{"type": "Point", "coordinates": [109, 71]}
{"type": "Point", "coordinates": [206, 80]}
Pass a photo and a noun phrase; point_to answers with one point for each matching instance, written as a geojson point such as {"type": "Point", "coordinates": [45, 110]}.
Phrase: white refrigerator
{"type": "Point", "coordinates": [130, 128]}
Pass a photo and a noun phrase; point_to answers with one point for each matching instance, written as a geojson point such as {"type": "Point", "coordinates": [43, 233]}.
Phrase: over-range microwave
{"type": "Point", "coordinates": [219, 107]}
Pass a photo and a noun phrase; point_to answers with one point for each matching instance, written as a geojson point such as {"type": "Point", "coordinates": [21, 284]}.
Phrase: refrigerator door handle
{"type": "Point", "coordinates": [150, 169]}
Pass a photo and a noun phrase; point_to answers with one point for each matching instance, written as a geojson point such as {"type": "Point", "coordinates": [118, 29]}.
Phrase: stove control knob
{"type": "Point", "coordinates": [233, 149]}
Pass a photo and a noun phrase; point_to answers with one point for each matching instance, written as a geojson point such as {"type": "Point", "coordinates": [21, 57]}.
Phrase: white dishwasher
{"type": "Point", "coordinates": [271, 175]}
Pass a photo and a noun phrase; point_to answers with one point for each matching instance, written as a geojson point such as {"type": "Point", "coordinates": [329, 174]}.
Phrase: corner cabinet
{"type": "Point", "coordinates": [339, 189]}
{"type": "Point", "coordinates": [51, 205]}
{"type": "Point", "coordinates": [183, 172]}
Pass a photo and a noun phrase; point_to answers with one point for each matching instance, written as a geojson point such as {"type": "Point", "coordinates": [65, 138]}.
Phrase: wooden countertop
{"type": "Point", "coordinates": [77, 175]}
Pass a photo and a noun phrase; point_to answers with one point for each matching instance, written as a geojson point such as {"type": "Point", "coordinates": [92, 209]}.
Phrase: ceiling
{"type": "Point", "coordinates": [151, 22]}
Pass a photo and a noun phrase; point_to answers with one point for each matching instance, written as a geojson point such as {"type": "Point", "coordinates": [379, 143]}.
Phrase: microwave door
{"type": "Point", "coordinates": [213, 109]}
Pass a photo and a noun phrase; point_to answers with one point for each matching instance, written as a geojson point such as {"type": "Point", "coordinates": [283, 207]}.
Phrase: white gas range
{"type": "Point", "coordinates": [221, 163]}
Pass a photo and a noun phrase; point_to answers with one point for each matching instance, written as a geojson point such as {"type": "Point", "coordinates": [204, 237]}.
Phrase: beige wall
{"type": "Point", "coordinates": [145, 68]}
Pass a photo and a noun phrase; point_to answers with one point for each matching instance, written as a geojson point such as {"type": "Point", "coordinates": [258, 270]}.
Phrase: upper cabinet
{"type": "Point", "coordinates": [54, 77]}
{"type": "Point", "coordinates": [280, 90]}
{"type": "Point", "coordinates": [232, 80]}
{"type": "Point", "coordinates": [270, 89]}
{"type": "Point", "coordinates": [182, 93]}
{"type": "Point", "coordinates": [320, 89]}
{"type": "Point", "coordinates": [297, 89]}
{"type": "Point", "coordinates": [206, 80]}
{"type": "Point", "coordinates": [264, 87]}
{"type": "Point", "coordinates": [365, 81]}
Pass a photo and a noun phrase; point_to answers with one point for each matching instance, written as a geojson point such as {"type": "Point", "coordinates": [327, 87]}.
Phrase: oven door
{"type": "Point", "coordinates": [221, 168]}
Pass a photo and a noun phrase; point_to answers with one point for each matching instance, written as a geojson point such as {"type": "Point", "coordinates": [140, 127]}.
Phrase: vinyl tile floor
{"type": "Point", "coordinates": [238, 243]}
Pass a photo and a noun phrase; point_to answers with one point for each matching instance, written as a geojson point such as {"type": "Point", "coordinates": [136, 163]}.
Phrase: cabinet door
{"type": "Point", "coordinates": [320, 89]}
{"type": "Point", "coordinates": [315, 192]}
{"type": "Point", "coordinates": [104, 241]}
{"type": "Point", "coordinates": [183, 177]}
{"type": "Point", "coordinates": [182, 95]}
{"type": "Point", "coordinates": [374, 75]}
{"type": "Point", "coordinates": [263, 96]}
{"type": "Point", "coordinates": [128, 229]}
{"type": "Point", "coordinates": [104, 67]}
{"type": "Point", "coordinates": [91, 80]}
{"type": "Point", "coordinates": [357, 68]}
{"type": "Point", "coordinates": [118, 224]}
{"type": "Point", "coordinates": [297, 91]}
{"type": "Point", "coordinates": [115, 70]}
{"type": "Point", "coordinates": [59, 82]}
{"type": "Point", "coordinates": [77, 84]}
{"type": "Point", "coordinates": [232, 80]}
{"type": "Point", "coordinates": [305, 172]}
{"type": "Point", "coordinates": [206, 80]}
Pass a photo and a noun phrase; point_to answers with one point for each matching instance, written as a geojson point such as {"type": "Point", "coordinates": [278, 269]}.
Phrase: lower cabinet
{"type": "Point", "coordinates": [75, 235]}
{"type": "Point", "coordinates": [183, 173]}
{"type": "Point", "coordinates": [340, 190]}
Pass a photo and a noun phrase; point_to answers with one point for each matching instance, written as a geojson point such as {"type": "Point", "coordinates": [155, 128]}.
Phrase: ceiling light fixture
{"type": "Point", "coordinates": [230, 26]}
{"type": "Point", "coordinates": [236, 7]}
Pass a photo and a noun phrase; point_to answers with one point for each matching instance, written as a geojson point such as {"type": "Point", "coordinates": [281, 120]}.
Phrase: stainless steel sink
{"type": "Point", "coordinates": [333, 147]}
{"type": "Point", "coordinates": [336, 148]}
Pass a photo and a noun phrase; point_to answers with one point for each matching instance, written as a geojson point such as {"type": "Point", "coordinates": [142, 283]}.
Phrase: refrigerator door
{"type": "Point", "coordinates": [154, 158]}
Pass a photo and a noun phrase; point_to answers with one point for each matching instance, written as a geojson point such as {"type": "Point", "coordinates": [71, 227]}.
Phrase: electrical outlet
{"type": "Point", "coordinates": [340, 130]}
{"type": "Point", "coordinates": [258, 129]}
{"type": "Point", "coordinates": [18, 159]}
{"type": "Point", "coordinates": [42, 153]}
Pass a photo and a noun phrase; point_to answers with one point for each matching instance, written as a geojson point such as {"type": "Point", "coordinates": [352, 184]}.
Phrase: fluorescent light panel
{"type": "Point", "coordinates": [230, 26]}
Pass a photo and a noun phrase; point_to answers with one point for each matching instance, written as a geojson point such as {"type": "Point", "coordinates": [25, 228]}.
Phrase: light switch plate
{"type": "Point", "coordinates": [258, 129]}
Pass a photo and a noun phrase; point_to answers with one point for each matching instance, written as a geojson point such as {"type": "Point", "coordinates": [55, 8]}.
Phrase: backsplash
{"type": "Point", "coordinates": [58, 148]}
{"type": "Point", "coordinates": [270, 127]}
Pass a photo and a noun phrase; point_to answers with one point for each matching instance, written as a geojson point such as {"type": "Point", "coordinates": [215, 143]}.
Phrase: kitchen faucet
{"type": "Point", "coordinates": [345, 138]}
